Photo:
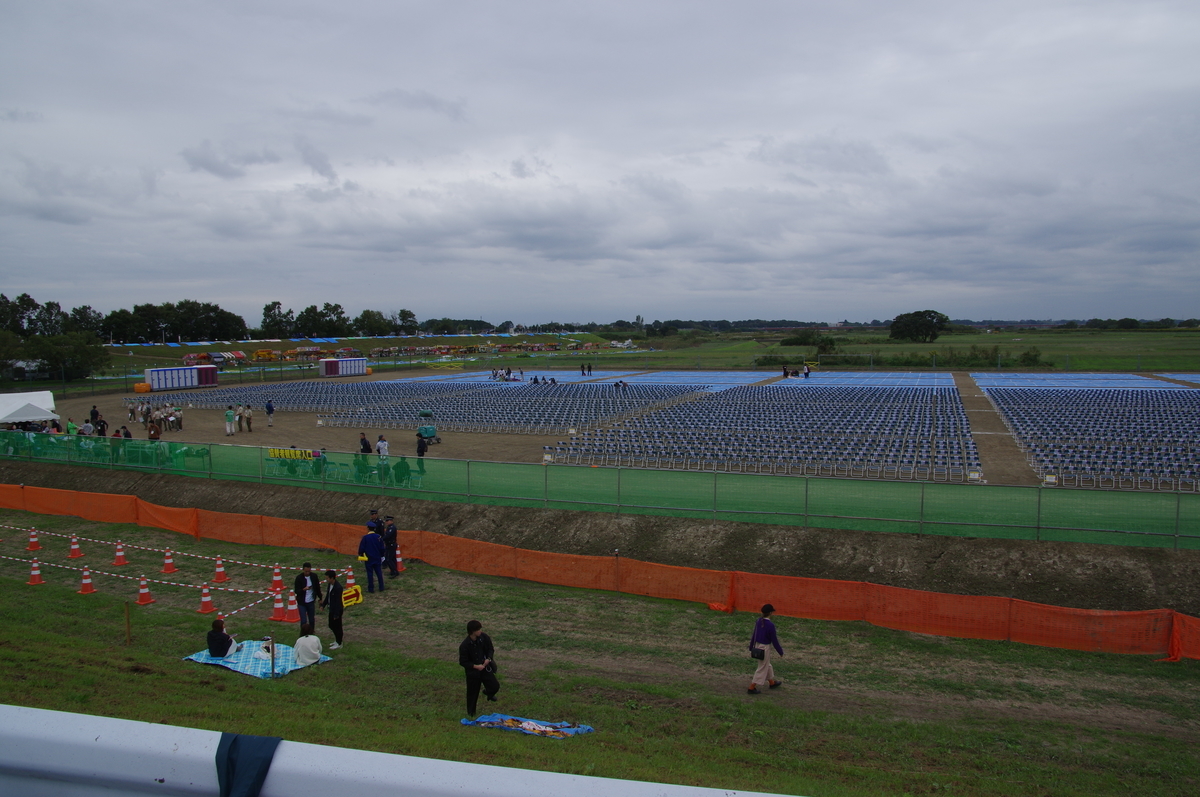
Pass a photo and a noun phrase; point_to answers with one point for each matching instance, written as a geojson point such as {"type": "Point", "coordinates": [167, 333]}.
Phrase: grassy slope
{"type": "Point", "coordinates": [864, 710]}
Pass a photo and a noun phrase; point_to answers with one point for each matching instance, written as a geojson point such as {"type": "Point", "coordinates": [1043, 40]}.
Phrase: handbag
{"type": "Point", "coordinates": [756, 653]}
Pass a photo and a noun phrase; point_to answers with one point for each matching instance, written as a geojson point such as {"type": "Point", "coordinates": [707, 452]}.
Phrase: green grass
{"type": "Point", "coordinates": [864, 710]}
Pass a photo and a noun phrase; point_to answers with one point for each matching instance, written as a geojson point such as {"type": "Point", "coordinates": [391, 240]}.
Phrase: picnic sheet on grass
{"type": "Point", "coordinates": [552, 730]}
{"type": "Point", "coordinates": [244, 661]}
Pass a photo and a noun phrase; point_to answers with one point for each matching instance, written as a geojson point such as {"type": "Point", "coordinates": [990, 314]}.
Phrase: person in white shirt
{"type": "Point", "coordinates": [308, 647]}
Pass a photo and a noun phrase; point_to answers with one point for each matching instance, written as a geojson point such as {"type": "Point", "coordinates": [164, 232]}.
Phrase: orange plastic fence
{"type": "Point", "coordinates": [1155, 632]}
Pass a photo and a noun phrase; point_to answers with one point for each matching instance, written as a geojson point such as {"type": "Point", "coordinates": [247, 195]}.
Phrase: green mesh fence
{"type": "Point", "coordinates": [1157, 519]}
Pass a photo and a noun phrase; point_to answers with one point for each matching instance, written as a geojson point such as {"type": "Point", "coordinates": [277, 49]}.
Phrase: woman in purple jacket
{"type": "Point", "coordinates": [763, 639]}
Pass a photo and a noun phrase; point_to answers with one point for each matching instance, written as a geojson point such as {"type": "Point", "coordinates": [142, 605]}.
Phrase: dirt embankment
{"type": "Point", "coordinates": [1085, 576]}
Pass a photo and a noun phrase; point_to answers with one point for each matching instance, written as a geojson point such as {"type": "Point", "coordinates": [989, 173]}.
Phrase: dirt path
{"type": "Point", "coordinates": [1178, 382]}
{"type": "Point", "coordinates": [1003, 460]}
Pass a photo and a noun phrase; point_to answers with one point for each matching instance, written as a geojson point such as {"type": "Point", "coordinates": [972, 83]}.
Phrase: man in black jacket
{"type": "Point", "coordinates": [475, 655]}
{"type": "Point", "coordinates": [333, 600]}
{"type": "Point", "coordinates": [308, 594]}
{"type": "Point", "coordinates": [390, 543]}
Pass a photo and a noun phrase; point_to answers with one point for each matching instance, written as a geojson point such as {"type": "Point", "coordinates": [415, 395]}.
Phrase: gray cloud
{"type": "Point", "coordinates": [675, 160]}
{"type": "Point", "coordinates": [19, 116]}
{"type": "Point", "coordinates": [315, 159]}
{"type": "Point", "coordinates": [204, 158]}
{"type": "Point", "coordinates": [419, 101]}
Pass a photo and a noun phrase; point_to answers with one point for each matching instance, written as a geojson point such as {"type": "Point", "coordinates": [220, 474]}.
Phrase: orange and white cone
{"type": "Point", "coordinates": [399, 562]}
{"type": "Point", "coordinates": [144, 596]}
{"type": "Point", "coordinates": [33, 545]}
{"type": "Point", "coordinates": [220, 577]}
{"type": "Point", "coordinates": [277, 613]}
{"type": "Point", "coordinates": [85, 587]}
{"type": "Point", "coordinates": [75, 550]}
{"type": "Point", "coordinates": [35, 574]}
{"type": "Point", "coordinates": [169, 563]}
{"type": "Point", "coordinates": [349, 577]}
{"type": "Point", "coordinates": [206, 604]}
{"type": "Point", "coordinates": [276, 581]}
{"type": "Point", "coordinates": [119, 559]}
{"type": "Point", "coordinates": [293, 611]}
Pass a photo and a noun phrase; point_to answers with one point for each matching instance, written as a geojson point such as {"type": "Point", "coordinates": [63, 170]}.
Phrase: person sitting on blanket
{"type": "Point", "coordinates": [220, 644]}
{"type": "Point", "coordinates": [308, 647]}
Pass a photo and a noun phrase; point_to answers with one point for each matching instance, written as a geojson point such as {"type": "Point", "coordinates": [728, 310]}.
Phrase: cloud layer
{"type": "Point", "coordinates": [534, 161]}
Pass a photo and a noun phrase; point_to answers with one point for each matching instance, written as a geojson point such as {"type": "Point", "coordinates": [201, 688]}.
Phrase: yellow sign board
{"type": "Point", "coordinates": [292, 453]}
{"type": "Point", "coordinates": [352, 595]}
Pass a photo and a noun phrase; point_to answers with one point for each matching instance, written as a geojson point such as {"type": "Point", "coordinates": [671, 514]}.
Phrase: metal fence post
{"type": "Point", "coordinates": [1178, 500]}
{"type": "Point", "coordinates": [921, 516]}
{"type": "Point", "coordinates": [1037, 532]}
{"type": "Point", "coordinates": [468, 480]}
{"type": "Point", "coordinates": [545, 485]}
{"type": "Point", "coordinates": [806, 480]}
{"type": "Point", "coordinates": [714, 496]}
{"type": "Point", "coordinates": [618, 491]}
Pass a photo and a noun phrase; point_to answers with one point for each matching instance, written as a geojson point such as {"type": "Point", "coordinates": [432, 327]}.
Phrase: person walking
{"type": "Point", "coordinates": [240, 411]}
{"type": "Point", "coordinates": [308, 594]}
{"type": "Point", "coordinates": [371, 546]}
{"type": "Point", "coordinates": [364, 445]}
{"type": "Point", "coordinates": [270, 409]}
{"type": "Point", "coordinates": [333, 602]}
{"type": "Point", "coordinates": [229, 421]}
{"type": "Point", "coordinates": [381, 448]}
{"type": "Point", "coordinates": [390, 544]}
{"type": "Point", "coordinates": [475, 655]}
{"type": "Point", "coordinates": [248, 415]}
{"type": "Point", "coordinates": [422, 447]}
{"type": "Point", "coordinates": [761, 642]}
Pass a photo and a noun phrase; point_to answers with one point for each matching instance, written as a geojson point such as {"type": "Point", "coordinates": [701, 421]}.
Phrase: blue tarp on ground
{"type": "Point", "coordinates": [550, 730]}
{"type": "Point", "coordinates": [245, 662]}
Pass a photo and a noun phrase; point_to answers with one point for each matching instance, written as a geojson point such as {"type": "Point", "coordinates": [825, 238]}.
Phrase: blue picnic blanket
{"type": "Point", "coordinates": [245, 662]}
{"type": "Point", "coordinates": [551, 730]}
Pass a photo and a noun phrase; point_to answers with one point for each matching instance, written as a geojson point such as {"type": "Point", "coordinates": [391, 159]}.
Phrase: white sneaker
{"type": "Point", "coordinates": [334, 646]}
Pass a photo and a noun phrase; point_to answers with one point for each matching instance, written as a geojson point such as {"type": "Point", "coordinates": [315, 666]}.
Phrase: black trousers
{"type": "Point", "coordinates": [335, 625]}
{"type": "Point", "coordinates": [476, 679]}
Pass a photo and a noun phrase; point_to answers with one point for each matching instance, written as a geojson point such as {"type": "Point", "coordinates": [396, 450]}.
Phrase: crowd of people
{"type": "Point", "coordinates": [476, 653]}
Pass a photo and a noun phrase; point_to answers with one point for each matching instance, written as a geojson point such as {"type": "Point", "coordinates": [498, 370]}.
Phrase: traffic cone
{"type": "Point", "coordinates": [276, 581]}
{"type": "Point", "coordinates": [293, 611]}
{"type": "Point", "coordinates": [399, 562]}
{"type": "Point", "coordinates": [35, 574]}
{"type": "Point", "coordinates": [277, 613]}
{"type": "Point", "coordinates": [349, 577]}
{"type": "Point", "coordinates": [86, 588]}
{"type": "Point", "coordinates": [75, 551]}
{"type": "Point", "coordinates": [206, 604]}
{"type": "Point", "coordinates": [33, 545]}
{"type": "Point", "coordinates": [120, 557]}
{"type": "Point", "coordinates": [144, 597]}
{"type": "Point", "coordinates": [169, 563]}
{"type": "Point", "coordinates": [220, 577]}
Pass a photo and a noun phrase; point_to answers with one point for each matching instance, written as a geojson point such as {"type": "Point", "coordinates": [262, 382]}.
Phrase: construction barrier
{"type": "Point", "coordinates": [1113, 517]}
{"type": "Point", "coordinates": [1155, 632]}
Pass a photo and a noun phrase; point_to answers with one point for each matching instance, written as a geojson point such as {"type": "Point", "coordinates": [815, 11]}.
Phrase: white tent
{"type": "Point", "coordinates": [21, 407]}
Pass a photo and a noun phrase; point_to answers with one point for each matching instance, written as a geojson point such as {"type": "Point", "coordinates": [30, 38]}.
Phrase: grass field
{"type": "Point", "coordinates": [864, 711]}
{"type": "Point", "coordinates": [1061, 350]}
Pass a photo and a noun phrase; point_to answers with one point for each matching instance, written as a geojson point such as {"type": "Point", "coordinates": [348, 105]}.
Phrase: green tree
{"type": "Point", "coordinates": [84, 319]}
{"type": "Point", "coordinates": [404, 322]}
{"type": "Point", "coordinates": [1128, 323]}
{"type": "Point", "coordinates": [372, 324]}
{"type": "Point", "coordinates": [74, 354]}
{"type": "Point", "coordinates": [922, 326]}
{"type": "Point", "coordinates": [276, 323]}
{"type": "Point", "coordinates": [10, 351]}
{"type": "Point", "coordinates": [16, 315]}
{"type": "Point", "coordinates": [120, 326]}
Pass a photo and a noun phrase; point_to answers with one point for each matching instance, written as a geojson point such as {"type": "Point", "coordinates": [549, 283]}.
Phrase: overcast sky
{"type": "Point", "coordinates": [564, 161]}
